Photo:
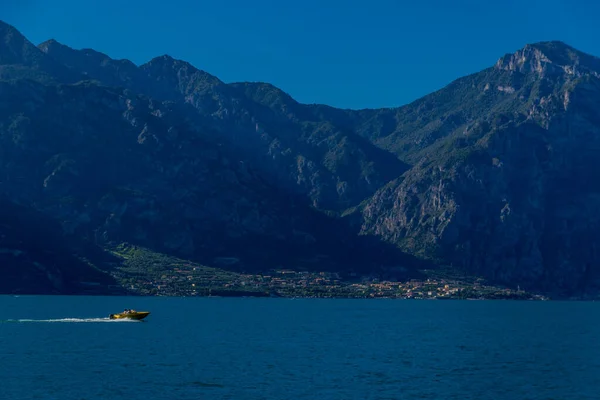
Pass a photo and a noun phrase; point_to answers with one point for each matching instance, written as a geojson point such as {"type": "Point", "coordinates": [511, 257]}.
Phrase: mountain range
{"type": "Point", "coordinates": [495, 175]}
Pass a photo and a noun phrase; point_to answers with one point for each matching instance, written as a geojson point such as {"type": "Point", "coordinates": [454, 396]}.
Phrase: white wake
{"type": "Point", "coordinates": [74, 320]}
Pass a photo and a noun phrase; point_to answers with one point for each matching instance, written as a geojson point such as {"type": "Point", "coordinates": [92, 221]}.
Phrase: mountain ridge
{"type": "Point", "coordinates": [170, 157]}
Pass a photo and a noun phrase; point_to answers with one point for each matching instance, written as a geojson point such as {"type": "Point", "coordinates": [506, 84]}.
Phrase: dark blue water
{"type": "Point", "coordinates": [212, 348]}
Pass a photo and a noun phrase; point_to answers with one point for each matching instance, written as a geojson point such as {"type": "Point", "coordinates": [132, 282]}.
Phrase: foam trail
{"type": "Point", "coordinates": [72, 320]}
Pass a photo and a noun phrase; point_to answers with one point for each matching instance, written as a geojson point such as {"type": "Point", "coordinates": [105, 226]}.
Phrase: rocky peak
{"type": "Point", "coordinates": [21, 58]}
{"type": "Point", "coordinates": [51, 45]}
{"type": "Point", "coordinates": [7, 31]}
{"type": "Point", "coordinates": [94, 65]}
{"type": "Point", "coordinates": [552, 58]}
{"type": "Point", "coordinates": [180, 74]}
{"type": "Point", "coordinates": [59, 52]}
{"type": "Point", "coordinates": [15, 48]}
{"type": "Point", "coordinates": [166, 62]}
{"type": "Point", "coordinates": [266, 93]}
{"type": "Point", "coordinates": [81, 58]}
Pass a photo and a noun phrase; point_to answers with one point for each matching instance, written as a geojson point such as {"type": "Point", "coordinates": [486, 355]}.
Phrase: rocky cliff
{"type": "Point", "coordinates": [494, 175]}
{"type": "Point", "coordinates": [508, 188]}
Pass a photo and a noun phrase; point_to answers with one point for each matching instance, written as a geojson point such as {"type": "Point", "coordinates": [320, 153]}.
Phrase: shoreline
{"type": "Point", "coordinates": [263, 295]}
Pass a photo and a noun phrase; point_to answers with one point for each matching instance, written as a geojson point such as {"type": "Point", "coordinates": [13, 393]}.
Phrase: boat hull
{"type": "Point", "coordinates": [134, 315]}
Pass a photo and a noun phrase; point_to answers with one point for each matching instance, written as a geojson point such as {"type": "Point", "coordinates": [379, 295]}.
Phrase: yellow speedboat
{"type": "Point", "coordinates": [130, 314]}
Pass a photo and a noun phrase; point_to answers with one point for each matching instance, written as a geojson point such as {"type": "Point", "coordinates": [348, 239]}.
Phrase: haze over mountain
{"type": "Point", "coordinates": [494, 175]}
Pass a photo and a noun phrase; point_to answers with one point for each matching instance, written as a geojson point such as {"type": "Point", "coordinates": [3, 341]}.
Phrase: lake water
{"type": "Point", "coordinates": [62, 347]}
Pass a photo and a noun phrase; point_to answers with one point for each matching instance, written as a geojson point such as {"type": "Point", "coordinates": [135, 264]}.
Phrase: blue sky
{"type": "Point", "coordinates": [351, 54]}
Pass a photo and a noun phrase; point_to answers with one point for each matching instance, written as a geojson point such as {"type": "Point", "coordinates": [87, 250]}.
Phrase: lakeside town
{"type": "Point", "coordinates": [150, 274]}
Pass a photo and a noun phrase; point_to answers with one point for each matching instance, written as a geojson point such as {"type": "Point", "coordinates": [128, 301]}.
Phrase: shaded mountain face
{"type": "Point", "coordinates": [37, 258]}
{"type": "Point", "coordinates": [112, 166]}
{"type": "Point", "coordinates": [329, 163]}
{"type": "Point", "coordinates": [494, 175]}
